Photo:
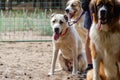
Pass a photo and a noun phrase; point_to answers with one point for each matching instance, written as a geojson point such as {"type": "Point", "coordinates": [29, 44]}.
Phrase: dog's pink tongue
{"type": "Point", "coordinates": [70, 15]}
{"type": "Point", "coordinates": [56, 36]}
{"type": "Point", "coordinates": [99, 25]}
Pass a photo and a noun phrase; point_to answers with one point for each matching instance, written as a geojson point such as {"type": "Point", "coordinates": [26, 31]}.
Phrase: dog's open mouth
{"type": "Point", "coordinates": [57, 35]}
{"type": "Point", "coordinates": [101, 22]}
{"type": "Point", "coordinates": [70, 15]}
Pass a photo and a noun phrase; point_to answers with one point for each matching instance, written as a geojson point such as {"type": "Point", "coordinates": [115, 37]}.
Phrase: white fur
{"type": "Point", "coordinates": [68, 47]}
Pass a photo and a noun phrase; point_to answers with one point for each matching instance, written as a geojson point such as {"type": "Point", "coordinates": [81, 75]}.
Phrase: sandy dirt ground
{"type": "Point", "coordinates": [29, 61]}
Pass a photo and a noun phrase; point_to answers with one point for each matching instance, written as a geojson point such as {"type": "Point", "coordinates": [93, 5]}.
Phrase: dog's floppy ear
{"type": "Point", "coordinates": [53, 14]}
{"type": "Point", "coordinates": [93, 6]}
{"type": "Point", "coordinates": [66, 17]}
{"type": "Point", "coordinates": [117, 8]}
{"type": "Point", "coordinates": [79, 2]}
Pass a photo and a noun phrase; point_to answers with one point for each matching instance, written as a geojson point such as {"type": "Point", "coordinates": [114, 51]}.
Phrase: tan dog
{"type": "Point", "coordinates": [66, 43]}
{"type": "Point", "coordinates": [105, 40]}
{"type": "Point", "coordinates": [73, 10]}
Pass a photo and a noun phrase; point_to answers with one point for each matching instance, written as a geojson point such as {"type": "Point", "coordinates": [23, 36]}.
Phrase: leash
{"type": "Point", "coordinates": [70, 23]}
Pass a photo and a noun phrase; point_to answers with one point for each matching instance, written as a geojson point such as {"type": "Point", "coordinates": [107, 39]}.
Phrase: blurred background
{"type": "Point", "coordinates": [28, 20]}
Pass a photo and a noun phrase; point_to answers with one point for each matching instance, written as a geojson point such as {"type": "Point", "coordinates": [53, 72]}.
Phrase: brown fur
{"type": "Point", "coordinates": [102, 73]}
{"type": "Point", "coordinates": [105, 47]}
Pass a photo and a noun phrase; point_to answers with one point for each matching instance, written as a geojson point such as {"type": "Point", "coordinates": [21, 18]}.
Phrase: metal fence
{"type": "Point", "coordinates": [22, 20]}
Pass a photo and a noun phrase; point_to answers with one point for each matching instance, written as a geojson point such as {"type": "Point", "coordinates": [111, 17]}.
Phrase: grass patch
{"type": "Point", "coordinates": [24, 20]}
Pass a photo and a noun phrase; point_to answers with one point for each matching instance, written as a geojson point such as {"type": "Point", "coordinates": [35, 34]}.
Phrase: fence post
{"type": "Point", "coordinates": [34, 3]}
{"type": "Point", "coordinates": [2, 4]}
{"type": "Point", "coordinates": [10, 5]}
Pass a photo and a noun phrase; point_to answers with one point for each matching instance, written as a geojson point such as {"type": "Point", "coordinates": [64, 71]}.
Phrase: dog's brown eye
{"type": "Point", "coordinates": [61, 22]}
{"type": "Point", "coordinates": [100, 4]}
{"type": "Point", "coordinates": [73, 5]}
{"type": "Point", "coordinates": [109, 5]}
{"type": "Point", "coordinates": [53, 21]}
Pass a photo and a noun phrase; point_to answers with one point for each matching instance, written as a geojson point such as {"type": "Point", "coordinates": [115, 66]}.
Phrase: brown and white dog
{"type": "Point", "coordinates": [105, 40]}
{"type": "Point", "coordinates": [73, 10]}
{"type": "Point", "coordinates": [66, 43]}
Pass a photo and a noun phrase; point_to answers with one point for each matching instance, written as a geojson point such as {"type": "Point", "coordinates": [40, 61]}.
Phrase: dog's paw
{"type": "Point", "coordinates": [98, 78]}
{"type": "Point", "coordinates": [74, 73]}
{"type": "Point", "coordinates": [57, 70]}
{"type": "Point", "coordinates": [50, 74]}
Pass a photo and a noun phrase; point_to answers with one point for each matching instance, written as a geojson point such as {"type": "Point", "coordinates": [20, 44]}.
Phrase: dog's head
{"type": "Point", "coordinates": [73, 8]}
{"type": "Point", "coordinates": [59, 24]}
{"type": "Point", "coordinates": [105, 11]}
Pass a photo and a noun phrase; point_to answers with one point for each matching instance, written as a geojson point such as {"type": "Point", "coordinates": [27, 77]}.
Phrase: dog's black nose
{"type": "Point", "coordinates": [103, 12]}
{"type": "Point", "coordinates": [67, 10]}
{"type": "Point", "coordinates": [56, 30]}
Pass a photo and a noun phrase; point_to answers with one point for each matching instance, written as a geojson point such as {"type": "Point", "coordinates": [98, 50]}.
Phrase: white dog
{"type": "Point", "coordinates": [67, 43]}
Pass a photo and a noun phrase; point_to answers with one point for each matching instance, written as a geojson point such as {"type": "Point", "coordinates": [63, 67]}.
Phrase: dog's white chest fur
{"type": "Point", "coordinates": [70, 42]}
{"type": "Point", "coordinates": [106, 42]}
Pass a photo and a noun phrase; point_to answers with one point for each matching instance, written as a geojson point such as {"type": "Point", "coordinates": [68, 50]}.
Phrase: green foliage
{"type": "Point", "coordinates": [26, 20]}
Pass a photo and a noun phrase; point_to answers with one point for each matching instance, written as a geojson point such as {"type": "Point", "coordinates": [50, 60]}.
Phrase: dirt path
{"type": "Point", "coordinates": [28, 61]}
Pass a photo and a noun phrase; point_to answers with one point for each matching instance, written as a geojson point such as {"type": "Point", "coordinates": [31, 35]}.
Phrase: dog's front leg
{"type": "Point", "coordinates": [75, 62]}
{"type": "Point", "coordinates": [55, 54]}
{"type": "Point", "coordinates": [96, 62]}
{"type": "Point", "coordinates": [96, 67]}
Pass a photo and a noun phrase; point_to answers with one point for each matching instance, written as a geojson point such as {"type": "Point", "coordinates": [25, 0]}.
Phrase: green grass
{"type": "Point", "coordinates": [24, 20]}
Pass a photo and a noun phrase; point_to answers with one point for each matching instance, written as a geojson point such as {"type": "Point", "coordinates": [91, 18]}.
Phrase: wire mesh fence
{"type": "Point", "coordinates": [27, 20]}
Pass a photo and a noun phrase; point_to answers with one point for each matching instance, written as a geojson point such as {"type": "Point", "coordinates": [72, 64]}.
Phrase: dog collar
{"type": "Point", "coordinates": [75, 21]}
{"type": "Point", "coordinates": [62, 34]}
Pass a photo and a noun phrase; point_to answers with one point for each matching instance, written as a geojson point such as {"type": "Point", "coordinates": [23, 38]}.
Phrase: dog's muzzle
{"type": "Point", "coordinates": [56, 30]}
{"type": "Point", "coordinates": [67, 10]}
{"type": "Point", "coordinates": [57, 33]}
{"type": "Point", "coordinates": [103, 15]}
{"type": "Point", "coordinates": [70, 12]}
